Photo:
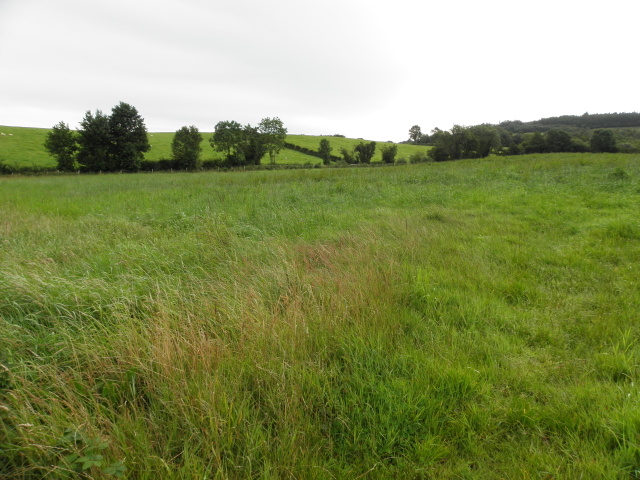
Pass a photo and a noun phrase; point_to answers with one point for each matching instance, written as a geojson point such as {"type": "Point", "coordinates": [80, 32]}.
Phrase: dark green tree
{"type": "Point", "coordinates": [94, 141]}
{"type": "Point", "coordinates": [603, 141]}
{"type": "Point", "coordinates": [61, 143]}
{"type": "Point", "coordinates": [487, 140]}
{"type": "Point", "coordinates": [534, 143]}
{"type": "Point", "coordinates": [459, 142]}
{"type": "Point", "coordinates": [389, 153]}
{"type": "Point", "coordinates": [227, 137]}
{"type": "Point", "coordinates": [129, 139]}
{"type": "Point", "coordinates": [325, 151]}
{"type": "Point", "coordinates": [186, 149]}
{"type": "Point", "coordinates": [348, 155]}
{"type": "Point", "coordinates": [558, 141]}
{"type": "Point", "coordinates": [442, 145]}
{"type": "Point", "coordinates": [273, 136]}
{"type": "Point", "coordinates": [253, 147]}
{"type": "Point", "coordinates": [365, 151]}
{"type": "Point", "coordinates": [415, 133]}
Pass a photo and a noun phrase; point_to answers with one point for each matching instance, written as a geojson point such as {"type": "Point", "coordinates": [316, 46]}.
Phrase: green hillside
{"type": "Point", "coordinates": [161, 149]}
{"type": "Point", "coordinates": [312, 142]}
{"type": "Point", "coordinates": [25, 146]}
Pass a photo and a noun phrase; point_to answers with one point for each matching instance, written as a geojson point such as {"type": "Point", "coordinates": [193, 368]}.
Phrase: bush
{"type": "Point", "coordinates": [211, 164]}
{"type": "Point", "coordinates": [161, 165]}
{"type": "Point", "coordinates": [389, 153]}
{"type": "Point", "coordinates": [419, 157]}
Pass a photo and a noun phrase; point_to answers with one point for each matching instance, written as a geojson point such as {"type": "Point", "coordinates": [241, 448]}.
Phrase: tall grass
{"type": "Point", "coordinates": [474, 319]}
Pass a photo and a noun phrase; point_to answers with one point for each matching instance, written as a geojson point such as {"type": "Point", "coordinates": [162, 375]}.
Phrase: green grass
{"type": "Point", "coordinates": [25, 147]}
{"type": "Point", "coordinates": [309, 141]}
{"type": "Point", "coordinates": [470, 319]}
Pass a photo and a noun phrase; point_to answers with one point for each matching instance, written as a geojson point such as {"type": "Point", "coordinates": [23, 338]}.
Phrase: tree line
{"type": "Point", "coordinates": [584, 121]}
{"type": "Point", "coordinates": [118, 142]}
{"type": "Point", "coordinates": [479, 141]}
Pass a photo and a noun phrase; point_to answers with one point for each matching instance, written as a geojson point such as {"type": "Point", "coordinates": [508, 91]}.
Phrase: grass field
{"type": "Point", "coordinates": [310, 141]}
{"type": "Point", "coordinates": [470, 319]}
{"type": "Point", "coordinates": [25, 146]}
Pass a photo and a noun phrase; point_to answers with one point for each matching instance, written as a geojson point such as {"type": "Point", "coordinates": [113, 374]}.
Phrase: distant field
{"type": "Point", "coordinates": [311, 141]}
{"type": "Point", "coordinates": [475, 319]}
{"type": "Point", "coordinates": [25, 146]}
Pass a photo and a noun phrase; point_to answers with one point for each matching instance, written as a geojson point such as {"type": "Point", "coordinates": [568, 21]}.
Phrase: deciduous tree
{"type": "Point", "coordinates": [226, 137]}
{"type": "Point", "coordinates": [274, 133]}
{"type": "Point", "coordinates": [129, 139]}
{"type": "Point", "coordinates": [415, 133]}
{"type": "Point", "coordinates": [365, 151]}
{"type": "Point", "coordinates": [325, 151]}
{"type": "Point", "coordinates": [558, 141]}
{"type": "Point", "coordinates": [186, 149]}
{"type": "Point", "coordinates": [603, 141]}
{"type": "Point", "coordinates": [61, 144]}
{"type": "Point", "coordinates": [253, 146]}
{"type": "Point", "coordinates": [389, 153]}
{"type": "Point", "coordinates": [94, 141]}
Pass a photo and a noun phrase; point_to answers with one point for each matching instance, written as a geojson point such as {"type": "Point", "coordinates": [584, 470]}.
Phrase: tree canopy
{"type": "Point", "coordinates": [61, 143]}
{"type": "Point", "coordinates": [364, 152]}
{"type": "Point", "coordinates": [186, 149]}
{"type": "Point", "coordinates": [94, 141]}
{"type": "Point", "coordinates": [603, 141]}
{"type": "Point", "coordinates": [325, 150]}
{"type": "Point", "coordinates": [112, 143]}
{"type": "Point", "coordinates": [273, 136]}
{"type": "Point", "coordinates": [415, 134]}
{"type": "Point", "coordinates": [129, 139]}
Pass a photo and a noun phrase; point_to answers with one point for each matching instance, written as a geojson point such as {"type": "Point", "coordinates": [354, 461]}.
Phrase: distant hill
{"type": "Point", "coordinates": [575, 122]}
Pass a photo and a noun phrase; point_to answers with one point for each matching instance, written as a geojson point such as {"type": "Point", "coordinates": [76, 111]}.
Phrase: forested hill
{"type": "Point", "coordinates": [585, 121]}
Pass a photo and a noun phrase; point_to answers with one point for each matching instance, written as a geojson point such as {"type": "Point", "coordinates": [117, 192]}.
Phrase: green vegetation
{"type": "Point", "coordinates": [25, 147]}
{"type": "Point", "coordinates": [61, 144]}
{"type": "Point", "coordinates": [111, 143]}
{"type": "Point", "coordinates": [337, 144]}
{"type": "Point", "coordinates": [186, 148]}
{"type": "Point", "coordinates": [470, 319]}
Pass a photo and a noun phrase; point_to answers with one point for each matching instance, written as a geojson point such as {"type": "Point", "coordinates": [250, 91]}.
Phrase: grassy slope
{"type": "Point", "coordinates": [312, 142]}
{"type": "Point", "coordinates": [472, 319]}
{"type": "Point", "coordinates": [25, 146]}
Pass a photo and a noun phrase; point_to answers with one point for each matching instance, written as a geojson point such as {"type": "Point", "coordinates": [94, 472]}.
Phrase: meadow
{"type": "Point", "coordinates": [405, 151]}
{"type": "Point", "coordinates": [469, 319]}
{"type": "Point", "coordinates": [25, 147]}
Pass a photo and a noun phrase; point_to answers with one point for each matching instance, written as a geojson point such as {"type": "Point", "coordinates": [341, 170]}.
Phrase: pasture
{"type": "Point", "coordinates": [25, 147]}
{"type": "Point", "coordinates": [469, 319]}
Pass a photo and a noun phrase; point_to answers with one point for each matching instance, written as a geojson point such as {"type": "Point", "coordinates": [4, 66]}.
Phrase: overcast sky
{"type": "Point", "coordinates": [368, 69]}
